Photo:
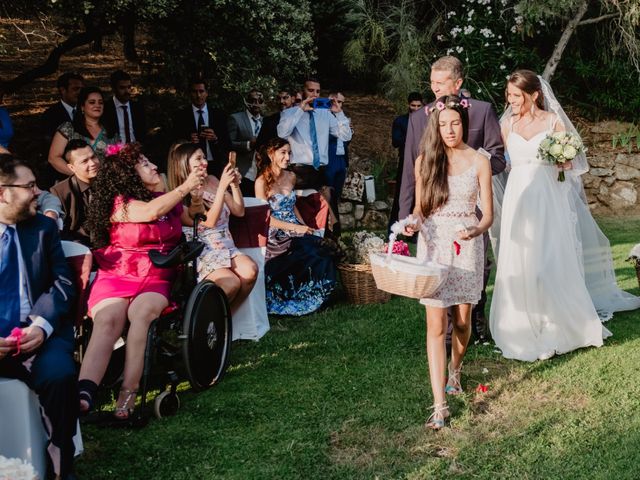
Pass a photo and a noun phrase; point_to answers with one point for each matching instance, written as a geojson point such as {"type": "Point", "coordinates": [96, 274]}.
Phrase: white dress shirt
{"type": "Point", "coordinates": [295, 126]}
{"type": "Point", "coordinates": [68, 108]}
{"type": "Point", "coordinates": [256, 125]}
{"type": "Point", "coordinates": [120, 114]}
{"type": "Point", "coordinates": [25, 301]}
{"type": "Point", "coordinates": [205, 117]}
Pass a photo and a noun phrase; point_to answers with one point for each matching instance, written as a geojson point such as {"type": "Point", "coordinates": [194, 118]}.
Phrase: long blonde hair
{"type": "Point", "coordinates": [433, 170]}
{"type": "Point", "coordinates": [178, 164]}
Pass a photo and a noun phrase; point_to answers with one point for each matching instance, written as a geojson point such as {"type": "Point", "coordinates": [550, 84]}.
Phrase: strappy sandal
{"type": "Point", "coordinates": [437, 419]}
{"type": "Point", "coordinates": [454, 387]}
{"type": "Point", "coordinates": [125, 412]}
{"type": "Point", "coordinates": [86, 391]}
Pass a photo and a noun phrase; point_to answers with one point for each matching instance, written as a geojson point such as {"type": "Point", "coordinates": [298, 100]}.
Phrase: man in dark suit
{"type": "Point", "coordinates": [398, 137]}
{"type": "Point", "coordinates": [203, 124]}
{"type": "Point", "coordinates": [244, 128]}
{"type": "Point", "coordinates": [269, 128]}
{"type": "Point", "coordinates": [484, 132]}
{"type": "Point", "coordinates": [74, 192]}
{"type": "Point", "coordinates": [121, 114]}
{"type": "Point", "coordinates": [36, 335]}
{"type": "Point", "coordinates": [69, 86]}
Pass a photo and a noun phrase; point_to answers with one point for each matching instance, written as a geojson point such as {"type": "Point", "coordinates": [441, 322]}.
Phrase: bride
{"type": "Point", "coordinates": [541, 305]}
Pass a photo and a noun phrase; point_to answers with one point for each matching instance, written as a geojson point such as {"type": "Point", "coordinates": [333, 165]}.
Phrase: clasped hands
{"type": "Point", "coordinates": [207, 134]}
{"type": "Point", "coordinates": [32, 337]}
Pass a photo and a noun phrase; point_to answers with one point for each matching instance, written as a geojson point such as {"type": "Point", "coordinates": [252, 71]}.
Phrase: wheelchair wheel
{"type": "Point", "coordinates": [166, 404]}
{"type": "Point", "coordinates": [207, 328]}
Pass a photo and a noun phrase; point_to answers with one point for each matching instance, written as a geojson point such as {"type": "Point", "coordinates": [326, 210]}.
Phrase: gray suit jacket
{"type": "Point", "coordinates": [240, 132]}
{"type": "Point", "coordinates": [484, 131]}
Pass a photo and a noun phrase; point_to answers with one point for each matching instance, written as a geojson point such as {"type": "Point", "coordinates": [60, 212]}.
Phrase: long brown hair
{"type": "Point", "coordinates": [529, 83]}
{"type": "Point", "coordinates": [433, 170]}
{"type": "Point", "coordinates": [178, 165]}
{"type": "Point", "coordinates": [263, 160]}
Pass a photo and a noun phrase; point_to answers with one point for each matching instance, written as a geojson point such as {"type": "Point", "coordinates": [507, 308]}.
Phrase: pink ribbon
{"type": "Point", "coordinates": [16, 334]}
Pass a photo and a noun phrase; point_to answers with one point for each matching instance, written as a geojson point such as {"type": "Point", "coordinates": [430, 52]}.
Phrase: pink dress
{"type": "Point", "coordinates": [124, 267]}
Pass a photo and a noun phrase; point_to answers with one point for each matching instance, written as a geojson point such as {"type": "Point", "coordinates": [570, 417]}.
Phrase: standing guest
{"type": "Point", "coordinates": [307, 131]}
{"type": "Point", "coordinates": [220, 261]}
{"type": "Point", "coordinates": [398, 137]}
{"type": "Point", "coordinates": [484, 132]}
{"type": "Point", "coordinates": [36, 333]}
{"type": "Point", "coordinates": [244, 128]}
{"type": "Point", "coordinates": [129, 215]}
{"type": "Point", "coordinates": [300, 270]}
{"type": "Point", "coordinates": [269, 128]}
{"type": "Point", "coordinates": [75, 192]}
{"type": "Point", "coordinates": [121, 114]}
{"type": "Point", "coordinates": [336, 171]}
{"type": "Point", "coordinates": [6, 127]}
{"type": "Point", "coordinates": [297, 98]}
{"type": "Point", "coordinates": [204, 125]}
{"type": "Point", "coordinates": [87, 126]}
{"type": "Point", "coordinates": [449, 175]}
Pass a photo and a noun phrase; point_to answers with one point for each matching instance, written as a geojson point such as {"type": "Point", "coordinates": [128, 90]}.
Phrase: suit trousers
{"type": "Point", "coordinates": [52, 374]}
{"type": "Point", "coordinates": [308, 177]}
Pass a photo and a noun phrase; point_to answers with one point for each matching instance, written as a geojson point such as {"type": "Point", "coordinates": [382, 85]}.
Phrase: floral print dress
{"type": "Point", "coordinates": [300, 270]}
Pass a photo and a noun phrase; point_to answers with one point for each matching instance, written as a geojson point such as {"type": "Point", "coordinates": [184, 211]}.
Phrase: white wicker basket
{"type": "Point", "coordinates": [406, 276]}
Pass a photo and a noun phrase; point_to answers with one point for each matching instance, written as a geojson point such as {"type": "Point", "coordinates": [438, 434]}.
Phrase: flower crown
{"type": "Point", "coordinates": [114, 148]}
{"type": "Point", "coordinates": [464, 103]}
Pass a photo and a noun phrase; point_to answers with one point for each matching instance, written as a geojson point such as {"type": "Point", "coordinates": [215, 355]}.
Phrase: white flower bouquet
{"type": "Point", "coordinates": [560, 147]}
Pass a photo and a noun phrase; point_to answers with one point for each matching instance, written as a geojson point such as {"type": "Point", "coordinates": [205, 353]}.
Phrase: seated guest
{"type": "Point", "coordinates": [87, 125]}
{"type": "Point", "coordinates": [300, 271]}
{"type": "Point", "coordinates": [244, 128]}
{"type": "Point", "coordinates": [128, 216]}
{"type": "Point", "coordinates": [36, 335]}
{"type": "Point", "coordinates": [205, 126]}
{"type": "Point", "coordinates": [121, 114]}
{"type": "Point", "coordinates": [220, 261]}
{"type": "Point", "coordinates": [75, 191]}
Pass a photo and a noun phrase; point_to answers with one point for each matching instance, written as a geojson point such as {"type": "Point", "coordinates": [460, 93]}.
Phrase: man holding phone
{"type": "Point", "coordinates": [203, 124]}
{"type": "Point", "coordinates": [307, 128]}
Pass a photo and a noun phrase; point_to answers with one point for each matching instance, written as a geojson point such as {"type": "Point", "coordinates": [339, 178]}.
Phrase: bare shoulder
{"type": "Point", "coordinates": [482, 158]}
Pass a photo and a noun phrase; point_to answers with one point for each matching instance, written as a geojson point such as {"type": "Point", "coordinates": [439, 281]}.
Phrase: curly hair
{"type": "Point", "coordinates": [263, 159]}
{"type": "Point", "coordinates": [117, 176]}
{"type": "Point", "coordinates": [433, 170]}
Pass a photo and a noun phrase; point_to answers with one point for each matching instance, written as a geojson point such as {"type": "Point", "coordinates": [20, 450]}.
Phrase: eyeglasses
{"type": "Point", "coordinates": [28, 186]}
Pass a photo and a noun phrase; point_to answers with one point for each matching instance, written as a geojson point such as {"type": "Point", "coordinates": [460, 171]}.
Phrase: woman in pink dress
{"type": "Point", "coordinates": [220, 261]}
{"type": "Point", "coordinates": [128, 216]}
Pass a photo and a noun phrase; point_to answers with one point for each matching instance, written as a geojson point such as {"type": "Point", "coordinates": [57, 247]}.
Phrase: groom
{"type": "Point", "coordinates": [484, 132]}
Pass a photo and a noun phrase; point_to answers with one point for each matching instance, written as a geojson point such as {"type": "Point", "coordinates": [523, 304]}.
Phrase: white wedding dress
{"type": "Point", "coordinates": [541, 305]}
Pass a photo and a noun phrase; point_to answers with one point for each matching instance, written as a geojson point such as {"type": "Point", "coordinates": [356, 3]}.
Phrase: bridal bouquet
{"type": "Point", "coordinates": [560, 147]}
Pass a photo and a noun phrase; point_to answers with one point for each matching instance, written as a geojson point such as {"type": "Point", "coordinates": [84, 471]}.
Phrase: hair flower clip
{"type": "Point", "coordinates": [464, 103]}
{"type": "Point", "coordinates": [440, 106]}
{"type": "Point", "coordinates": [114, 148]}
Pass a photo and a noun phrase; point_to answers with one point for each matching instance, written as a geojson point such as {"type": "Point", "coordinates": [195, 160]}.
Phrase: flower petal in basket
{"type": "Point", "coordinates": [407, 276]}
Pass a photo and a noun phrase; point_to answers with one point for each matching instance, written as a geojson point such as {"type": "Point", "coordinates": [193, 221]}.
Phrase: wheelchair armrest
{"type": "Point", "coordinates": [183, 253]}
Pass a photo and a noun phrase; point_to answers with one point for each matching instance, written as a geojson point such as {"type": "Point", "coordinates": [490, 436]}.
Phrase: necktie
{"type": "Point", "coordinates": [258, 123]}
{"type": "Point", "coordinates": [127, 125]}
{"type": "Point", "coordinates": [9, 283]}
{"type": "Point", "coordinates": [73, 113]}
{"type": "Point", "coordinates": [314, 141]}
{"type": "Point", "coordinates": [203, 143]}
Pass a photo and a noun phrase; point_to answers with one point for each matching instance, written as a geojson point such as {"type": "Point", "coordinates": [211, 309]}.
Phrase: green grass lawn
{"type": "Point", "coordinates": [344, 394]}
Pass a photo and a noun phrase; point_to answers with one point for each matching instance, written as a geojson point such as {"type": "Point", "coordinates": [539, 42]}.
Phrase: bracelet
{"type": "Point", "coordinates": [181, 192]}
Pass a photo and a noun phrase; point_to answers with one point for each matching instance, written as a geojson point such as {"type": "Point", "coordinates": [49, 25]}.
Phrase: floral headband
{"type": "Point", "coordinates": [114, 149]}
{"type": "Point", "coordinates": [464, 103]}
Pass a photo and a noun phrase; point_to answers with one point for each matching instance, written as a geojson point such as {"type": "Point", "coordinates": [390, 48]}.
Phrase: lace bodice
{"type": "Point", "coordinates": [463, 194]}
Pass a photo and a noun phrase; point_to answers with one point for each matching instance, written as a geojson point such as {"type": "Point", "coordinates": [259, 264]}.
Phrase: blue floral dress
{"type": "Point", "coordinates": [301, 269]}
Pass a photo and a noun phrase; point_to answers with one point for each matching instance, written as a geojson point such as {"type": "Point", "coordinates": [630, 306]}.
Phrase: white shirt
{"type": "Point", "coordinates": [25, 302]}
{"type": "Point", "coordinates": [68, 108]}
{"type": "Point", "coordinates": [205, 117]}
{"type": "Point", "coordinates": [295, 126]}
{"type": "Point", "coordinates": [120, 114]}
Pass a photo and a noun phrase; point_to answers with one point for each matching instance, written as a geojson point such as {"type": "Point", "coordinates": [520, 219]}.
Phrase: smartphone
{"type": "Point", "coordinates": [322, 102]}
{"type": "Point", "coordinates": [232, 159]}
{"type": "Point", "coordinates": [201, 128]}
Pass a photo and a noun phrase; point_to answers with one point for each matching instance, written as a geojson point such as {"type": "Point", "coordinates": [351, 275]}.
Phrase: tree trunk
{"type": "Point", "coordinates": [129, 36]}
{"type": "Point", "coordinates": [553, 62]}
{"type": "Point", "coordinates": [51, 63]}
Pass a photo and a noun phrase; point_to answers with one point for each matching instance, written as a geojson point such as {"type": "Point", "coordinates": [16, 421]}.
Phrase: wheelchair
{"type": "Point", "coordinates": [190, 340]}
